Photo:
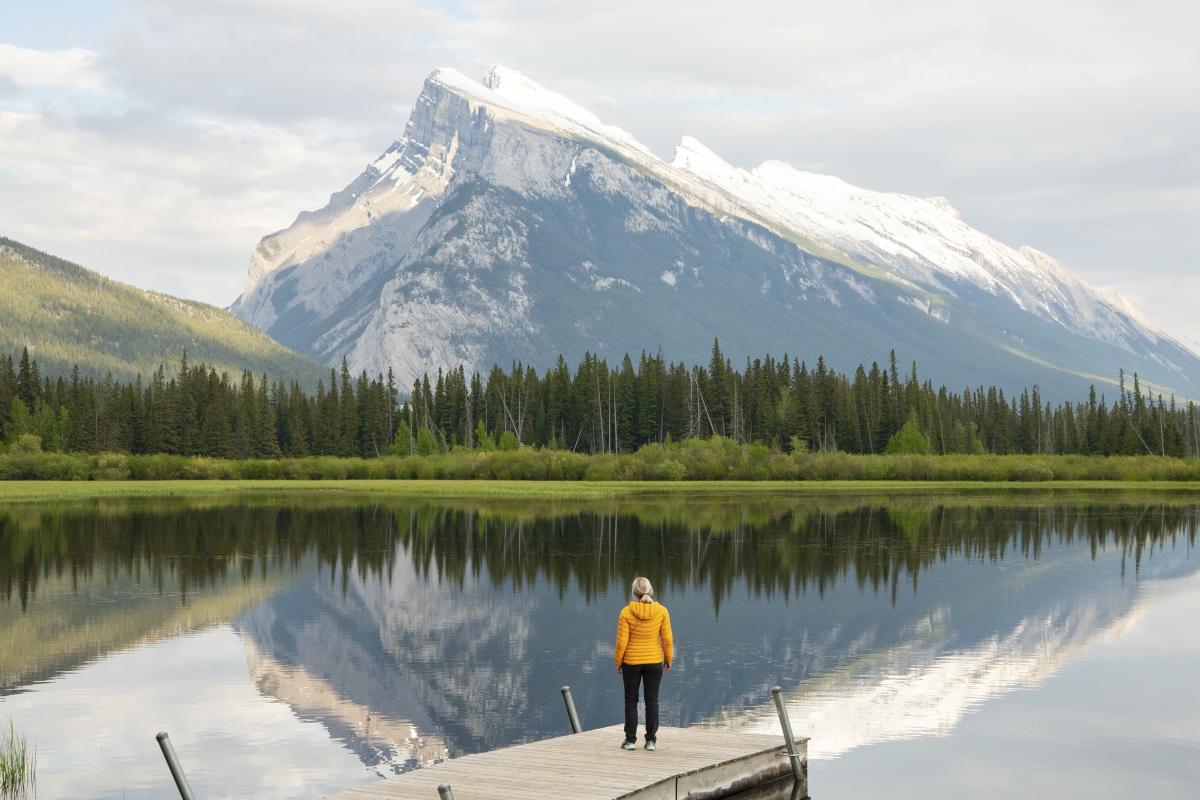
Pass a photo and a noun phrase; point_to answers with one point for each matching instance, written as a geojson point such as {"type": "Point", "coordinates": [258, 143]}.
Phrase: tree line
{"type": "Point", "coordinates": [597, 407]}
{"type": "Point", "coordinates": [783, 545]}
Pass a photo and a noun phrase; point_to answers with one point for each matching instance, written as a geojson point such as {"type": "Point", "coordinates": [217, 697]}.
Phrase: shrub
{"type": "Point", "coordinates": [483, 440]}
{"type": "Point", "coordinates": [111, 467]}
{"type": "Point", "coordinates": [908, 440]}
{"type": "Point", "coordinates": [15, 466]}
{"type": "Point", "coordinates": [602, 467]}
{"type": "Point", "coordinates": [260, 469]}
{"type": "Point", "coordinates": [695, 459]}
{"type": "Point", "coordinates": [1030, 472]}
{"type": "Point", "coordinates": [26, 444]}
{"type": "Point", "coordinates": [565, 466]}
{"type": "Point", "coordinates": [159, 467]}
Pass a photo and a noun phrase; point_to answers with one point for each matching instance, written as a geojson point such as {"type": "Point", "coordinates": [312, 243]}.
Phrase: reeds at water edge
{"type": "Point", "coordinates": [18, 766]}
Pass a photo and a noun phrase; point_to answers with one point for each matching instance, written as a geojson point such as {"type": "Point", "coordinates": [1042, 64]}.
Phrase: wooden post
{"type": "Point", "coordinates": [181, 781]}
{"type": "Point", "coordinates": [798, 768]}
{"type": "Point", "coordinates": [572, 715]}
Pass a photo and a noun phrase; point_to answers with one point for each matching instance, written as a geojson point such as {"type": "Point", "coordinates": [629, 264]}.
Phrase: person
{"type": "Point", "coordinates": [644, 651]}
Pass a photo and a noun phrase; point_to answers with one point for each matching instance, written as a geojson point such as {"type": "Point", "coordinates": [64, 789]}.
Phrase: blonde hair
{"type": "Point", "coordinates": [642, 590]}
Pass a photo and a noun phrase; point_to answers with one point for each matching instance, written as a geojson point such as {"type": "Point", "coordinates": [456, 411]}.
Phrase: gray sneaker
{"type": "Point", "coordinates": [629, 746]}
{"type": "Point", "coordinates": [650, 746]}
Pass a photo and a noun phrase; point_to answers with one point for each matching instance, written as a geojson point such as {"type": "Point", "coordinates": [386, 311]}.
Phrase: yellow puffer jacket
{"type": "Point", "coordinates": [644, 634]}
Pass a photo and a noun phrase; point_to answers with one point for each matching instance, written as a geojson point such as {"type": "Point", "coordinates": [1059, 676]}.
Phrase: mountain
{"type": "Point", "coordinates": [68, 315]}
{"type": "Point", "coordinates": [509, 223]}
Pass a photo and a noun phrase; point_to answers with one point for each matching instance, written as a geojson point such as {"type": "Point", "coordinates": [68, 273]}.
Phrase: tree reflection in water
{"type": "Point", "coordinates": [417, 629]}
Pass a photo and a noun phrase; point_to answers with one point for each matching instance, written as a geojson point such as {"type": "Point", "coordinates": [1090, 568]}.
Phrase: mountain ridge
{"type": "Point", "coordinates": [69, 315]}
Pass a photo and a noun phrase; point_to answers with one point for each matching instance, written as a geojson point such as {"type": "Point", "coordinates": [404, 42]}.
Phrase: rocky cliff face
{"type": "Point", "coordinates": [509, 224]}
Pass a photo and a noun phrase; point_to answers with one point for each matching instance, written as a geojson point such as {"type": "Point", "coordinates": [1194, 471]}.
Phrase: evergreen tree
{"type": "Point", "coordinates": [909, 440]}
{"type": "Point", "coordinates": [28, 383]}
{"type": "Point", "coordinates": [595, 408]}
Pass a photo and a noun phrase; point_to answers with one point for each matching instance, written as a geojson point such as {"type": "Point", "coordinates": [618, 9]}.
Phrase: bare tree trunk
{"type": "Point", "coordinates": [469, 439]}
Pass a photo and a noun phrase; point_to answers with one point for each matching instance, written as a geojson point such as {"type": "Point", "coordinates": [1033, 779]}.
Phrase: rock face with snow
{"type": "Point", "coordinates": [508, 223]}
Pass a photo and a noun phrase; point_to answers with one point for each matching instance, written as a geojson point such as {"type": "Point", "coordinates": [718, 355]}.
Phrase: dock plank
{"type": "Point", "coordinates": [696, 763]}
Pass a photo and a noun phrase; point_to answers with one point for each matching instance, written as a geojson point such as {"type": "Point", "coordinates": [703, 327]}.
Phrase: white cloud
{"type": "Point", "coordinates": [75, 68]}
{"type": "Point", "coordinates": [164, 204]}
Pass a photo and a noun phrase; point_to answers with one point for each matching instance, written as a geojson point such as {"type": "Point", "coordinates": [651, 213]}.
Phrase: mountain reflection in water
{"type": "Point", "coordinates": [414, 631]}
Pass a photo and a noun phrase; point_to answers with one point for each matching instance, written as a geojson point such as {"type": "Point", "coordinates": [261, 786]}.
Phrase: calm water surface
{"type": "Point", "coordinates": [932, 647]}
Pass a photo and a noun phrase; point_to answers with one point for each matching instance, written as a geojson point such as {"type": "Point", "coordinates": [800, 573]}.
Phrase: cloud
{"type": "Point", "coordinates": [351, 63]}
{"type": "Point", "coordinates": [158, 202]}
{"type": "Point", "coordinates": [75, 68]}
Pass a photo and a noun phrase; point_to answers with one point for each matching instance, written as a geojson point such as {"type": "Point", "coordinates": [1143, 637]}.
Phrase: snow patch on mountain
{"type": "Point", "coordinates": [921, 240]}
{"type": "Point", "coordinates": [504, 89]}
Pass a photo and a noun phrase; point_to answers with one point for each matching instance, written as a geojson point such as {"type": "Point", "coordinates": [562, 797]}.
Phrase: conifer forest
{"type": "Point", "coordinates": [596, 407]}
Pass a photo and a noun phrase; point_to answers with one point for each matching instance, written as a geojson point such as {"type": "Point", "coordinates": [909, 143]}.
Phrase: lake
{"type": "Point", "coordinates": [987, 645]}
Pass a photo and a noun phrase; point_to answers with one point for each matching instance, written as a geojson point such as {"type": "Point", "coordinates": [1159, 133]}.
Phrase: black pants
{"type": "Point", "coordinates": [651, 676]}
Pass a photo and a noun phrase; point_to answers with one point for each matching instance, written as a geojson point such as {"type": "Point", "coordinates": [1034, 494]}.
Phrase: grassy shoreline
{"type": "Point", "coordinates": [31, 491]}
{"type": "Point", "coordinates": [696, 460]}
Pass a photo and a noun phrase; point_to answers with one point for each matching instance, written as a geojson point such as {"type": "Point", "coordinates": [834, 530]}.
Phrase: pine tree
{"type": "Point", "coordinates": [28, 382]}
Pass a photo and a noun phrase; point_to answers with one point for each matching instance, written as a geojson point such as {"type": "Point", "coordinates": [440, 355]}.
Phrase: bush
{"type": "Point", "coordinates": [1030, 472]}
{"type": "Point", "coordinates": [260, 469]}
{"type": "Point", "coordinates": [111, 467]}
{"type": "Point", "coordinates": [696, 459]}
{"type": "Point", "coordinates": [15, 466]}
{"type": "Point", "coordinates": [909, 440]}
{"type": "Point", "coordinates": [603, 467]}
{"type": "Point", "coordinates": [657, 462]}
{"type": "Point", "coordinates": [160, 467]}
{"type": "Point", "coordinates": [565, 466]}
{"type": "Point", "coordinates": [483, 440]}
{"type": "Point", "coordinates": [26, 444]}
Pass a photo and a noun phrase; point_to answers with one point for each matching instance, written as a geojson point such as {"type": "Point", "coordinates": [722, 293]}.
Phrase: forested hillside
{"type": "Point", "coordinates": [595, 408]}
{"type": "Point", "coordinates": [67, 315]}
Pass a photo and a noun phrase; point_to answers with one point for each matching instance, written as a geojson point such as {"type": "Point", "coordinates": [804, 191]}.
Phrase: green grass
{"type": "Point", "coordinates": [22, 491]}
{"type": "Point", "coordinates": [18, 766]}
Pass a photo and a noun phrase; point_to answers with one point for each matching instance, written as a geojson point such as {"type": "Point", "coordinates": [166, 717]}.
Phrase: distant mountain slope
{"type": "Point", "coordinates": [69, 315]}
{"type": "Point", "coordinates": [509, 223]}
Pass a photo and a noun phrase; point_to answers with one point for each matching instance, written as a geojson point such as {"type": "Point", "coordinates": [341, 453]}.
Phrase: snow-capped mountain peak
{"type": "Point", "coordinates": [505, 88]}
{"type": "Point", "coordinates": [942, 204]}
{"type": "Point", "coordinates": [691, 155]}
{"type": "Point", "coordinates": [504, 203]}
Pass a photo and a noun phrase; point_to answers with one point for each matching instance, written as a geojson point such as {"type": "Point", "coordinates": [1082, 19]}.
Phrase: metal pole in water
{"type": "Point", "coordinates": [445, 792]}
{"type": "Point", "coordinates": [572, 714]}
{"type": "Point", "coordinates": [789, 739]}
{"type": "Point", "coordinates": [181, 781]}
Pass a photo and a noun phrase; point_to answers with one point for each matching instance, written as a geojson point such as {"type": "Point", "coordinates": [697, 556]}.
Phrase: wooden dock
{"type": "Point", "coordinates": [692, 763]}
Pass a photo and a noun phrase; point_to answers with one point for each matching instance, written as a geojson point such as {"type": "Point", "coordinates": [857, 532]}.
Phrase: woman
{"type": "Point", "coordinates": [644, 649]}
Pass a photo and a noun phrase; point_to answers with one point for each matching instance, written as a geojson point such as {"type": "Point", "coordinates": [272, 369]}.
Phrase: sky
{"type": "Point", "coordinates": [157, 142]}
